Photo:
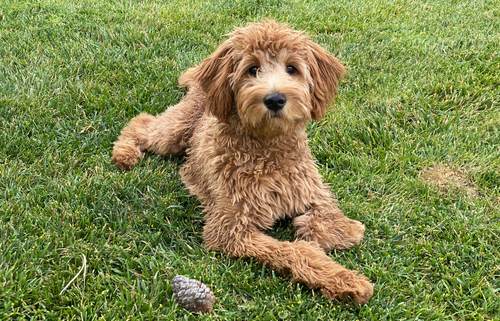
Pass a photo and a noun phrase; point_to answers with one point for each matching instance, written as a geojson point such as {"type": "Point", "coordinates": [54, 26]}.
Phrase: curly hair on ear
{"type": "Point", "coordinates": [212, 75]}
{"type": "Point", "coordinates": [326, 72]}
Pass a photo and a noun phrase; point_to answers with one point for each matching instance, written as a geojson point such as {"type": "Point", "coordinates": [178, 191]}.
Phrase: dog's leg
{"type": "Point", "coordinates": [306, 262]}
{"type": "Point", "coordinates": [327, 226]}
{"type": "Point", "coordinates": [165, 134]}
{"type": "Point", "coordinates": [133, 141]}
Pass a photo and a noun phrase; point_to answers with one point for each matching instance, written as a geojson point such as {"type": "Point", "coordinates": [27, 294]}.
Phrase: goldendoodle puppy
{"type": "Point", "coordinates": [242, 125]}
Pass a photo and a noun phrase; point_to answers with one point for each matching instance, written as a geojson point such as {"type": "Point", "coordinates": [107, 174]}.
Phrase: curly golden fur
{"type": "Point", "coordinates": [242, 125]}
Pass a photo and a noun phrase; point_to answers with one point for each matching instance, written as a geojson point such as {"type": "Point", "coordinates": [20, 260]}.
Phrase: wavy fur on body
{"type": "Point", "coordinates": [250, 165]}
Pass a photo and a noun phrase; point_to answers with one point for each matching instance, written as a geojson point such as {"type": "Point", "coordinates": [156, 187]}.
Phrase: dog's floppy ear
{"type": "Point", "coordinates": [212, 75]}
{"type": "Point", "coordinates": [326, 72]}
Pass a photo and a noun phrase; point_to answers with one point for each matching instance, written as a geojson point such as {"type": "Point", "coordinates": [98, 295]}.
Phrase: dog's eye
{"type": "Point", "coordinates": [253, 70]}
{"type": "Point", "coordinates": [291, 70]}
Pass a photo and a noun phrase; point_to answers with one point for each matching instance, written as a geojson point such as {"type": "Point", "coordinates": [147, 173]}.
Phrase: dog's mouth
{"type": "Point", "coordinates": [275, 114]}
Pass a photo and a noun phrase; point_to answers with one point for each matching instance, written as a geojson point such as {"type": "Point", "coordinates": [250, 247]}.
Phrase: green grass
{"type": "Point", "coordinates": [423, 90]}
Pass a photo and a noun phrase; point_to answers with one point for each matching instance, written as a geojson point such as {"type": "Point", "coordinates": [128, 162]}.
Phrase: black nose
{"type": "Point", "coordinates": [275, 101]}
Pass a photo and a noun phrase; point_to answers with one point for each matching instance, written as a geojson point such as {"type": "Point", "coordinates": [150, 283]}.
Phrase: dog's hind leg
{"type": "Point", "coordinates": [165, 134]}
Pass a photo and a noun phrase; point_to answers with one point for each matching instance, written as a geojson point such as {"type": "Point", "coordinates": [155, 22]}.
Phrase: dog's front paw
{"type": "Point", "coordinates": [339, 233]}
{"type": "Point", "coordinates": [355, 232]}
{"type": "Point", "coordinates": [349, 284]}
{"type": "Point", "coordinates": [125, 155]}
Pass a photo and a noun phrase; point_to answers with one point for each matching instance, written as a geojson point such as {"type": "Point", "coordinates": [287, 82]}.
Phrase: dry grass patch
{"type": "Point", "coordinates": [446, 178]}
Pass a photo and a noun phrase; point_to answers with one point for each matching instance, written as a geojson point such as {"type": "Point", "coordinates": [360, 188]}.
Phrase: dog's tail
{"type": "Point", "coordinates": [166, 134]}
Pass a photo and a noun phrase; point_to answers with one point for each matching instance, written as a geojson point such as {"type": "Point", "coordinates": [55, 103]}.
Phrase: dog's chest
{"type": "Point", "coordinates": [233, 174]}
{"type": "Point", "coordinates": [271, 185]}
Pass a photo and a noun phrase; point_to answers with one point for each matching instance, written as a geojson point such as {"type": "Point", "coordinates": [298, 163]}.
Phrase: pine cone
{"type": "Point", "coordinates": [193, 295]}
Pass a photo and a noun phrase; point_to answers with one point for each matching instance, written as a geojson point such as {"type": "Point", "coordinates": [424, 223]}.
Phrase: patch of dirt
{"type": "Point", "coordinates": [446, 178]}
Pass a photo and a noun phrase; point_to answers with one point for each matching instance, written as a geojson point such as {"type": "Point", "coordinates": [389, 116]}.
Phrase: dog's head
{"type": "Point", "coordinates": [274, 77]}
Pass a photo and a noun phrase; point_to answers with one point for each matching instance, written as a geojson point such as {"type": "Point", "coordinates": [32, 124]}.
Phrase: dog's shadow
{"type": "Point", "coordinates": [282, 230]}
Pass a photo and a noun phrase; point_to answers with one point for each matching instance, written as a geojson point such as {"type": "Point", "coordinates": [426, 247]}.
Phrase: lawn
{"type": "Point", "coordinates": [411, 148]}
